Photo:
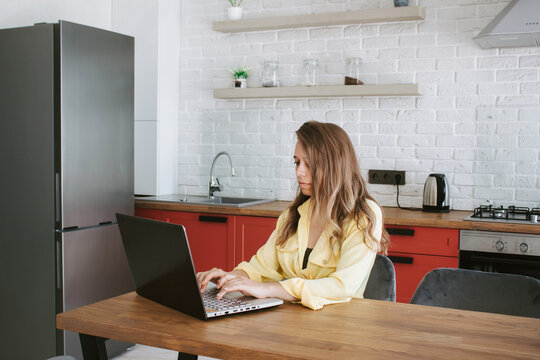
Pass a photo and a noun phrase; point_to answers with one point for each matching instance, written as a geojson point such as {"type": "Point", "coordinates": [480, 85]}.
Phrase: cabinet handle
{"type": "Point", "coordinates": [401, 259]}
{"type": "Point", "coordinates": [214, 219]}
{"type": "Point", "coordinates": [396, 231]}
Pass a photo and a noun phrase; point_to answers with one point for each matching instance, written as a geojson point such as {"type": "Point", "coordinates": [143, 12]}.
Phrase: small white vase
{"type": "Point", "coordinates": [240, 83]}
{"type": "Point", "coordinates": [234, 13]}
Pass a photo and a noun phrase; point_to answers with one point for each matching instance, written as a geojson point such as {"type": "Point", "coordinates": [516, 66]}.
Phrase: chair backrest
{"type": "Point", "coordinates": [463, 289]}
{"type": "Point", "coordinates": [381, 283]}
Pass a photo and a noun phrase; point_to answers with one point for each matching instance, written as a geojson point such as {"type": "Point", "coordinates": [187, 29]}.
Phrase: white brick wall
{"type": "Point", "coordinates": [478, 120]}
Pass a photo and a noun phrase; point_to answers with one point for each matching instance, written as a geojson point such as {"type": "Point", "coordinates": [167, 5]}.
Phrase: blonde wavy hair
{"type": "Point", "coordinates": [339, 191]}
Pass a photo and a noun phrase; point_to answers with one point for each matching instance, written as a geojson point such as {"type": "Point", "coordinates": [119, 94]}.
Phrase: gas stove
{"type": "Point", "coordinates": [510, 214]}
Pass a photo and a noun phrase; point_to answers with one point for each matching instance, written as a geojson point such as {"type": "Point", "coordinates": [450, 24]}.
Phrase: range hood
{"type": "Point", "coordinates": [518, 24]}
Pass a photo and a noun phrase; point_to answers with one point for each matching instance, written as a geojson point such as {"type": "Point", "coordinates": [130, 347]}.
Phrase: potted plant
{"type": "Point", "coordinates": [240, 75]}
{"type": "Point", "coordinates": [235, 11]}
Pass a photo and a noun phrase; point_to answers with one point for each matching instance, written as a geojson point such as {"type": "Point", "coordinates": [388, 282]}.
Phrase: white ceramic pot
{"type": "Point", "coordinates": [240, 83]}
{"type": "Point", "coordinates": [234, 13]}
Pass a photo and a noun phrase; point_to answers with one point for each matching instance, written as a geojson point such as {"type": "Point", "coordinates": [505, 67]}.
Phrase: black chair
{"type": "Point", "coordinates": [381, 283]}
{"type": "Point", "coordinates": [463, 289]}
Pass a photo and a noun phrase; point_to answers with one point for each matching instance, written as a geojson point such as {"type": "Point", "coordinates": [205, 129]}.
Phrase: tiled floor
{"type": "Point", "coordinates": [142, 352]}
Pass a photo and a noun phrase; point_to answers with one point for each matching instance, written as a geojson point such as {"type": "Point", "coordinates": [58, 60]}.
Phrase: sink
{"type": "Point", "coordinates": [234, 201]}
{"type": "Point", "coordinates": [205, 200]}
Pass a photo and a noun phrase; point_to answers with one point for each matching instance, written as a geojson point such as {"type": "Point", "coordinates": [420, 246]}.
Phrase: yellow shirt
{"type": "Point", "coordinates": [327, 278]}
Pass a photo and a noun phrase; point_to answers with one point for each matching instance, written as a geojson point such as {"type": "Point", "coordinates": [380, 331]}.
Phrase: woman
{"type": "Point", "coordinates": [325, 243]}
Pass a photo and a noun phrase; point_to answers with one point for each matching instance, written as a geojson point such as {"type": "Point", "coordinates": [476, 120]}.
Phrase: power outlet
{"type": "Point", "coordinates": [386, 177]}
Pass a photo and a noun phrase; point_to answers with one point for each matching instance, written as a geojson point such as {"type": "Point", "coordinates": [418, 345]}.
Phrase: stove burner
{"type": "Point", "coordinates": [487, 212]}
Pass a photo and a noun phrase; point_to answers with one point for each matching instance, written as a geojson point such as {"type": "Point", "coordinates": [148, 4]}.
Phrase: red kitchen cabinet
{"type": "Point", "coordinates": [154, 214]}
{"type": "Point", "coordinates": [252, 232]}
{"type": "Point", "coordinates": [417, 250]}
{"type": "Point", "coordinates": [210, 237]}
{"type": "Point", "coordinates": [424, 240]}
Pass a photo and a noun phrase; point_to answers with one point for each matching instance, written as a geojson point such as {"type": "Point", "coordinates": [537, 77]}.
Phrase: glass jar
{"type": "Point", "coordinates": [352, 71]}
{"type": "Point", "coordinates": [270, 74]}
{"type": "Point", "coordinates": [311, 72]}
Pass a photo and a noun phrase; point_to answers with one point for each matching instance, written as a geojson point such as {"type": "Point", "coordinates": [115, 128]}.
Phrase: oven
{"type": "Point", "coordinates": [502, 252]}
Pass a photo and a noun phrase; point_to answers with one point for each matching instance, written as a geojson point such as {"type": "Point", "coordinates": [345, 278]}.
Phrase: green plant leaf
{"type": "Point", "coordinates": [235, 3]}
{"type": "Point", "coordinates": [241, 72]}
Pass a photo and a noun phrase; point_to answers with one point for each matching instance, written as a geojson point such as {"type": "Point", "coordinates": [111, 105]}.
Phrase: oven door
{"type": "Point", "coordinates": [500, 263]}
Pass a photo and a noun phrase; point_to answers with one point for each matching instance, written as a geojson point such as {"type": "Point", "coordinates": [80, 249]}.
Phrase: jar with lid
{"type": "Point", "coordinates": [311, 72]}
{"type": "Point", "coordinates": [270, 74]}
{"type": "Point", "coordinates": [352, 71]}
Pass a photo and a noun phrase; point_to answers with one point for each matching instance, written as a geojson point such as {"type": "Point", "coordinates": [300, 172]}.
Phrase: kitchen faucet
{"type": "Point", "coordinates": [214, 184]}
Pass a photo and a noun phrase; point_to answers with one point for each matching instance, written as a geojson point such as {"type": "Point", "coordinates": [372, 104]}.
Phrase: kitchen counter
{"type": "Point", "coordinates": [393, 215]}
{"type": "Point", "coordinates": [271, 209]}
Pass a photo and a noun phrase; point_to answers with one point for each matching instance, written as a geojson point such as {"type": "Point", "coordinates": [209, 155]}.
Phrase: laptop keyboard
{"type": "Point", "coordinates": [210, 301]}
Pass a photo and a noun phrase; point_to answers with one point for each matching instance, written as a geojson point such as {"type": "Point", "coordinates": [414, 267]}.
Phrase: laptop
{"type": "Point", "coordinates": [162, 269]}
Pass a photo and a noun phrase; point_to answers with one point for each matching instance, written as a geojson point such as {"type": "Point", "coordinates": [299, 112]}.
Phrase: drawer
{"type": "Point", "coordinates": [424, 240]}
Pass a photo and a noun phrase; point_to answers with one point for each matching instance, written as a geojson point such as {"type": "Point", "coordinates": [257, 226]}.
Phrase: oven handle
{"type": "Point", "coordinates": [401, 259]}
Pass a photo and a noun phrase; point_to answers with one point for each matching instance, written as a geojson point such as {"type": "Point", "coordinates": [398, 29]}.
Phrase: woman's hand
{"type": "Point", "coordinates": [215, 275]}
{"type": "Point", "coordinates": [238, 280]}
{"type": "Point", "coordinates": [252, 288]}
{"type": "Point", "coordinates": [242, 284]}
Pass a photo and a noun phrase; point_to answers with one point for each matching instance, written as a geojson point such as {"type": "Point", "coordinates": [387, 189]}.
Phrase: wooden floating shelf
{"type": "Point", "coordinates": [318, 91]}
{"type": "Point", "coordinates": [405, 13]}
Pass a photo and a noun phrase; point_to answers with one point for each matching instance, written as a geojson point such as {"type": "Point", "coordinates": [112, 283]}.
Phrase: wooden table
{"type": "Point", "coordinates": [361, 329]}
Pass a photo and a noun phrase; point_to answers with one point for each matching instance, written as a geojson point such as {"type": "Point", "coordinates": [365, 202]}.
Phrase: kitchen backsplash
{"type": "Point", "coordinates": [477, 120]}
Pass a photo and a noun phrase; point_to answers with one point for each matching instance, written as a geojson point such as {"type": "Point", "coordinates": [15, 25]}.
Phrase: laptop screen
{"type": "Point", "coordinates": [161, 264]}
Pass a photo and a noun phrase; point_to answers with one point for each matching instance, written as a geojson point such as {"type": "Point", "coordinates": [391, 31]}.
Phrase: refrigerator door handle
{"type": "Point", "coordinates": [59, 263]}
{"type": "Point", "coordinates": [57, 196]}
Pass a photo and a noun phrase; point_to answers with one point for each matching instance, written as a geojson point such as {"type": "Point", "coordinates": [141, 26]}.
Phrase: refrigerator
{"type": "Point", "coordinates": [66, 159]}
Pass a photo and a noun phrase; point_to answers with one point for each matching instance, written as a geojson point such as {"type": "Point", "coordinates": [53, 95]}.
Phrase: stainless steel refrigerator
{"type": "Point", "coordinates": [66, 160]}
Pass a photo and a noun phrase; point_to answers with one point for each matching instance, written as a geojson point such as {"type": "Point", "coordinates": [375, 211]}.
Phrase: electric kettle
{"type": "Point", "coordinates": [436, 194]}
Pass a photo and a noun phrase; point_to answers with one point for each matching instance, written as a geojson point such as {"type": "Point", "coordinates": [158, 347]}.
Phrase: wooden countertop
{"type": "Point", "coordinates": [271, 209]}
{"type": "Point", "coordinates": [392, 215]}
